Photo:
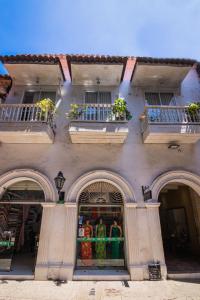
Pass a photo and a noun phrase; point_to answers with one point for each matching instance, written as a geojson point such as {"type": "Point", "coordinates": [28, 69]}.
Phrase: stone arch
{"type": "Point", "coordinates": [18, 175]}
{"type": "Point", "coordinates": [100, 175]}
{"type": "Point", "coordinates": [178, 176]}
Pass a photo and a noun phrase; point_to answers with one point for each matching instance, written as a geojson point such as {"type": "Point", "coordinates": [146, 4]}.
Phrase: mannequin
{"type": "Point", "coordinates": [86, 247]}
{"type": "Point", "coordinates": [115, 231]}
{"type": "Point", "coordinates": [100, 247]}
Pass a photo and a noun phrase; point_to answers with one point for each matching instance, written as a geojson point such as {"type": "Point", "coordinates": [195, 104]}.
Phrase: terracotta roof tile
{"type": "Point", "coordinates": [30, 58]}
{"type": "Point", "coordinates": [176, 61]}
{"type": "Point", "coordinates": [83, 58]}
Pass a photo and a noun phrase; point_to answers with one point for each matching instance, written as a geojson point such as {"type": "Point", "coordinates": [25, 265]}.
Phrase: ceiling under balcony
{"type": "Point", "coordinates": [159, 75]}
{"type": "Point", "coordinates": [89, 74]}
{"type": "Point", "coordinates": [33, 74]}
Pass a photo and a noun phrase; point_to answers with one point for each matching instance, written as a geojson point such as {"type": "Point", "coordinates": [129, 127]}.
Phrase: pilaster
{"type": "Point", "coordinates": [155, 235]}
{"type": "Point", "coordinates": [41, 269]}
{"type": "Point", "coordinates": [69, 250]}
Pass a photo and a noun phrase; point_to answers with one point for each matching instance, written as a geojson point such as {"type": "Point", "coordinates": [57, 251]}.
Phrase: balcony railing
{"type": "Point", "coordinates": [98, 113]}
{"type": "Point", "coordinates": [170, 115]}
{"type": "Point", "coordinates": [24, 113]}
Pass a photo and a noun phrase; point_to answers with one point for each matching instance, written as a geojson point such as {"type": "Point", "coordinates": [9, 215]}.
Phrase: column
{"type": "Point", "coordinates": [69, 254]}
{"type": "Point", "coordinates": [41, 269]}
{"type": "Point", "coordinates": [132, 242]}
{"type": "Point", "coordinates": [156, 236]}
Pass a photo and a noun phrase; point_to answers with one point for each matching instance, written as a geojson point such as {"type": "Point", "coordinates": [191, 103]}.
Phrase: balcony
{"type": "Point", "coordinates": [166, 124]}
{"type": "Point", "coordinates": [96, 123]}
{"type": "Point", "coordinates": [25, 123]}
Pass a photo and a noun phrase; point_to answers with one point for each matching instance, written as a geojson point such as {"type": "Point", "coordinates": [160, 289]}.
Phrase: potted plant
{"type": "Point", "coordinates": [120, 110]}
{"type": "Point", "coordinates": [75, 112]}
{"type": "Point", "coordinates": [46, 106]}
{"type": "Point", "coordinates": [193, 110]}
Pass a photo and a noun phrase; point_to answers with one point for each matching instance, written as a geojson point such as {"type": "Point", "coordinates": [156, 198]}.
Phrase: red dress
{"type": "Point", "coordinates": [86, 247]}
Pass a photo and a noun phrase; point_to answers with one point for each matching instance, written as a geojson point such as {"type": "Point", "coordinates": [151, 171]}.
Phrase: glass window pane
{"type": "Point", "coordinates": [105, 97]}
{"type": "Point", "coordinates": [91, 97]}
{"type": "Point", "coordinates": [100, 239]}
{"type": "Point", "coordinates": [28, 97]}
{"type": "Point", "coordinates": [47, 94]}
{"type": "Point", "coordinates": [166, 98]}
{"type": "Point", "coordinates": [152, 98]}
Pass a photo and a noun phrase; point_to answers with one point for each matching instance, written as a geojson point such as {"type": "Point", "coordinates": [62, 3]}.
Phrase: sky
{"type": "Point", "coordinates": [157, 28]}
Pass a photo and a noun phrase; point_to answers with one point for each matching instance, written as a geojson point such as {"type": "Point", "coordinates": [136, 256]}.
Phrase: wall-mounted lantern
{"type": "Point", "coordinates": [59, 182]}
{"type": "Point", "coordinates": [146, 193]}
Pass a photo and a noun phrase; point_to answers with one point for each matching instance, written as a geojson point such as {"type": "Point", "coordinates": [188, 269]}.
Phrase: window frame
{"type": "Point", "coordinates": [159, 96]}
{"type": "Point", "coordinates": [36, 90]}
{"type": "Point", "coordinates": [95, 91]}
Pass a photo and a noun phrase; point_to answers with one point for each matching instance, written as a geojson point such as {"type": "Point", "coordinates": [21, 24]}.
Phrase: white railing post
{"type": "Point", "coordinates": [22, 113]}
{"type": "Point", "coordinates": [170, 114]}
{"type": "Point", "coordinates": [101, 112]}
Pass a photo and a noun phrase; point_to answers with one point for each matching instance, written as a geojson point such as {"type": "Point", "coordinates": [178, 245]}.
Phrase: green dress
{"type": "Point", "coordinates": [115, 244]}
{"type": "Point", "coordinates": [100, 247]}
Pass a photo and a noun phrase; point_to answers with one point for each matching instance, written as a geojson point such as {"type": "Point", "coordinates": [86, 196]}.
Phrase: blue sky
{"type": "Point", "coordinates": [159, 28]}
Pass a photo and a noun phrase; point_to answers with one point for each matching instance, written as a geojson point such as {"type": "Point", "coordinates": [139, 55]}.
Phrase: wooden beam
{"type": "Point", "coordinates": [130, 65]}
{"type": "Point", "coordinates": [65, 67]}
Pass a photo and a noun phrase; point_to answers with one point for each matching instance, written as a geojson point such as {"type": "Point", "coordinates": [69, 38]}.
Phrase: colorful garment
{"type": "Point", "coordinates": [100, 247]}
{"type": "Point", "coordinates": [115, 244]}
{"type": "Point", "coordinates": [86, 247]}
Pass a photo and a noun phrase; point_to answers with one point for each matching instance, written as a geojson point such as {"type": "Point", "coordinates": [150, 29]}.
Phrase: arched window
{"type": "Point", "coordinates": [100, 234]}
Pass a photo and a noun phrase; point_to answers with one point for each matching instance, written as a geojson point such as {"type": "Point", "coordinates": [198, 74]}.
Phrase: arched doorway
{"type": "Point", "coordinates": [100, 229]}
{"type": "Point", "coordinates": [180, 226]}
{"type": "Point", "coordinates": [22, 193]}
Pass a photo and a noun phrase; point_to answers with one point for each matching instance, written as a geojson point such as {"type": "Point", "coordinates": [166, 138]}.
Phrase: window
{"type": "Point", "coordinates": [97, 97]}
{"type": "Point", "coordinates": [161, 114]}
{"type": "Point", "coordinates": [100, 234]}
{"type": "Point", "coordinates": [34, 96]}
{"type": "Point", "coordinates": [99, 106]}
{"type": "Point", "coordinates": [159, 98]}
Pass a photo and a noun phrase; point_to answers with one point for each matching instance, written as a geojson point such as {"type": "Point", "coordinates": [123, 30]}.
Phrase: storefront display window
{"type": "Point", "coordinates": [100, 234]}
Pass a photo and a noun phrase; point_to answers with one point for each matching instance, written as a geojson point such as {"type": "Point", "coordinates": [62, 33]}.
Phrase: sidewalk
{"type": "Point", "coordinates": [89, 290]}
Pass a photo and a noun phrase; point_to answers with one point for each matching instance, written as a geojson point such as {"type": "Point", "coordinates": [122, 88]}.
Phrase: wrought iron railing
{"type": "Point", "coordinates": [24, 113]}
{"type": "Point", "coordinates": [98, 113]}
{"type": "Point", "coordinates": [171, 115]}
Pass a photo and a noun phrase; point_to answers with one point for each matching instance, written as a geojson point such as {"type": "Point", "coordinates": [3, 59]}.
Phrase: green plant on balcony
{"type": "Point", "coordinates": [193, 111]}
{"type": "Point", "coordinates": [120, 110]}
{"type": "Point", "coordinates": [75, 112]}
{"type": "Point", "coordinates": [47, 107]}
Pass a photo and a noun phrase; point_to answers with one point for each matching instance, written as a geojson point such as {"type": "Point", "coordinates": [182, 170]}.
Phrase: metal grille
{"type": "Point", "coordinates": [101, 193]}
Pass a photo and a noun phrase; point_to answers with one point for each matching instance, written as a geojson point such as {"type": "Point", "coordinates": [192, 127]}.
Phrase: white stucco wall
{"type": "Point", "coordinates": [136, 162]}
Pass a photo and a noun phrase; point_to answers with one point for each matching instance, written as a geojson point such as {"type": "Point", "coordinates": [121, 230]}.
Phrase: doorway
{"type": "Point", "coordinates": [20, 222]}
{"type": "Point", "coordinates": [180, 216]}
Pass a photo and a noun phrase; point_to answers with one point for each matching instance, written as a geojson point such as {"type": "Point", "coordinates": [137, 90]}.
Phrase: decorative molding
{"type": "Point", "coordinates": [17, 175]}
{"type": "Point", "coordinates": [152, 205]}
{"type": "Point", "coordinates": [131, 205]}
{"type": "Point", "coordinates": [48, 204]}
{"type": "Point", "coordinates": [100, 175]}
{"type": "Point", "coordinates": [70, 205]}
{"type": "Point", "coordinates": [179, 176]}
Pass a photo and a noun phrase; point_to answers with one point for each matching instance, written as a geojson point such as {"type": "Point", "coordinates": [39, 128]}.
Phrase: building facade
{"type": "Point", "coordinates": [131, 194]}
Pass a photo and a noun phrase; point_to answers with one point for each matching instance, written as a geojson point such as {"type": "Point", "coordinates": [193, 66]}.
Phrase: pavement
{"type": "Point", "coordinates": [99, 290]}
